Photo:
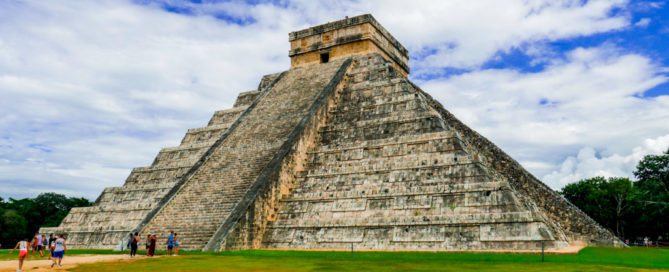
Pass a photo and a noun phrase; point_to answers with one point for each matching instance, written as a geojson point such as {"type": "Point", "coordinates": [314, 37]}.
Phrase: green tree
{"type": "Point", "coordinates": [13, 227]}
{"type": "Point", "coordinates": [20, 218]}
{"type": "Point", "coordinates": [652, 175]}
{"type": "Point", "coordinates": [607, 201]}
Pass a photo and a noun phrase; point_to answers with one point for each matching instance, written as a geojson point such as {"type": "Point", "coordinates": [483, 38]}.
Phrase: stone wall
{"type": "Point", "coordinates": [358, 35]}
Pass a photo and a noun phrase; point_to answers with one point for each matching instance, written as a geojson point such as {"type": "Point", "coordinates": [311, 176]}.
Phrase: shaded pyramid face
{"type": "Point", "coordinates": [340, 150]}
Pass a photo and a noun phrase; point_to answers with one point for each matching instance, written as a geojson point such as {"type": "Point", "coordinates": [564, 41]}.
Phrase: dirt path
{"type": "Point", "coordinates": [68, 262]}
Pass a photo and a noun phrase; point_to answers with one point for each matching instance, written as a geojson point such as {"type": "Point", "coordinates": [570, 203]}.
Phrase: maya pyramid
{"type": "Point", "coordinates": [340, 150]}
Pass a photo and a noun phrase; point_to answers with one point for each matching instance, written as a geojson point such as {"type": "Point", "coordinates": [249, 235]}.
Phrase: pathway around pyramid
{"type": "Point", "coordinates": [68, 262]}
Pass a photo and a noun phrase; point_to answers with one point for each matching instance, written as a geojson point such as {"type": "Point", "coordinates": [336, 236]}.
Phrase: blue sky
{"type": "Point", "coordinates": [571, 89]}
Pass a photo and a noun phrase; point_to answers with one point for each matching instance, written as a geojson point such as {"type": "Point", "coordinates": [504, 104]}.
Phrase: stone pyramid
{"type": "Point", "coordinates": [340, 150]}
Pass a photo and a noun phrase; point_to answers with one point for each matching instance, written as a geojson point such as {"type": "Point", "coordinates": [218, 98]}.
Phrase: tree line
{"type": "Point", "coordinates": [631, 209]}
{"type": "Point", "coordinates": [21, 218]}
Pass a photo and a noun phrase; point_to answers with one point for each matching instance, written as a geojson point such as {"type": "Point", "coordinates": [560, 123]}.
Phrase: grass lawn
{"type": "Point", "coordinates": [589, 259]}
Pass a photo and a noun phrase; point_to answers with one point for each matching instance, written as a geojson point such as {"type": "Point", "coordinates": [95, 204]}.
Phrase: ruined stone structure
{"type": "Point", "coordinates": [339, 150]}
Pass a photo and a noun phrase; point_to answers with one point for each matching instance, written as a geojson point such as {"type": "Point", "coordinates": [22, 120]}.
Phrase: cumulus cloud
{"type": "Point", "coordinates": [593, 97]}
{"type": "Point", "coordinates": [92, 89]}
{"type": "Point", "coordinates": [455, 34]}
{"type": "Point", "coordinates": [589, 164]}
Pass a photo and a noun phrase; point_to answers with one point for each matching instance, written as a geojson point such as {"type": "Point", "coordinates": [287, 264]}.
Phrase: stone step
{"type": "Point", "coordinates": [510, 217]}
{"type": "Point", "coordinates": [187, 152]}
{"type": "Point", "coordinates": [446, 164]}
{"type": "Point", "coordinates": [324, 210]}
{"type": "Point", "coordinates": [227, 116]}
{"type": "Point", "coordinates": [140, 187]}
{"type": "Point", "coordinates": [377, 112]}
{"type": "Point", "coordinates": [375, 102]}
{"type": "Point", "coordinates": [155, 174]}
{"type": "Point", "coordinates": [397, 140]}
{"type": "Point", "coordinates": [367, 191]}
{"type": "Point", "coordinates": [425, 152]}
{"type": "Point", "coordinates": [244, 99]}
{"type": "Point", "coordinates": [364, 85]}
{"type": "Point", "coordinates": [114, 207]}
{"type": "Point", "coordinates": [204, 134]}
{"type": "Point", "coordinates": [355, 183]}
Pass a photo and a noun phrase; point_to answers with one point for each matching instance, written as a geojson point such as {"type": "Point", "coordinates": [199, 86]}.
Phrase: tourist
{"type": "Point", "coordinates": [34, 243]}
{"type": "Point", "coordinates": [148, 244]}
{"type": "Point", "coordinates": [23, 251]}
{"type": "Point", "coordinates": [176, 244]}
{"type": "Point", "coordinates": [45, 245]}
{"type": "Point", "coordinates": [133, 244]}
{"type": "Point", "coordinates": [152, 244]}
{"type": "Point", "coordinates": [129, 242]}
{"type": "Point", "coordinates": [39, 238]}
{"type": "Point", "coordinates": [59, 250]}
{"type": "Point", "coordinates": [170, 243]}
{"type": "Point", "coordinates": [52, 244]}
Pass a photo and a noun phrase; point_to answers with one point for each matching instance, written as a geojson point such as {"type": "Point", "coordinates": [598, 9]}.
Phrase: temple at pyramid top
{"type": "Point", "coordinates": [357, 35]}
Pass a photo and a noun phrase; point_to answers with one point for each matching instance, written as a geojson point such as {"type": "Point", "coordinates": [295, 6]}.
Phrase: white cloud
{"type": "Point", "coordinates": [590, 99]}
{"type": "Point", "coordinates": [460, 33]}
{"type": "Point", "coordinates": [91, 89]}
{"type": "Point", "coordinates": [643, 22]}
{"type": "Point", "coordinates": [587, 164]}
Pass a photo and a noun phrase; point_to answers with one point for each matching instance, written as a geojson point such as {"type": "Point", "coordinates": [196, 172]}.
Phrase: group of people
{"type": "Point", "coordinates": [55, 245]}
{"type": "Point", "coordinates": [151, 240]}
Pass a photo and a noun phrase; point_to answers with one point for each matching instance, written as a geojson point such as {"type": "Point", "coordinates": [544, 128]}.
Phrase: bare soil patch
{"type": "Point", "coordinates": [68, 262]}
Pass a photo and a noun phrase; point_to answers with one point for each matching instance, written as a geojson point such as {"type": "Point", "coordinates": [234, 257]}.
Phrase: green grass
{"type": "Point", "coordinates": [589, 259]}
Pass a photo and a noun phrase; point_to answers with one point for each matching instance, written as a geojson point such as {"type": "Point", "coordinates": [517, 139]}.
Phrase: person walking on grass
{"type": "Point", "coordinates": [170, 243]}
{"type": "Point", "coordinates": [52, 245]}
{"type": "Point", "coordinates": [45, 245]}
{"type": "Point", "coordinates": [133, 244]}
{"type": "Point", "coordinates": [148, 244]}
{"type": "Point", "coordinates": [59, 251]}
{"type": "Point", "coordinates": [129, 241]}
{"type": "Point", "coordinates": [33, 243]}
{"type": "Point", "coordinates": [38, 239]}
{"type": "Point", "coordinates": [176, 244]}
{"type": "Point", "coordinates": [23, 247]}
{"type": "Point", "coordinates": [152, 244]}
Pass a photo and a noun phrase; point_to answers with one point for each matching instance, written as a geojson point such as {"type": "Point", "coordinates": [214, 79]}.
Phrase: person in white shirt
{"type": "Point", "coordinates": [23, 251]}
{"type": "Point", "coordinates": [59, 250]}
